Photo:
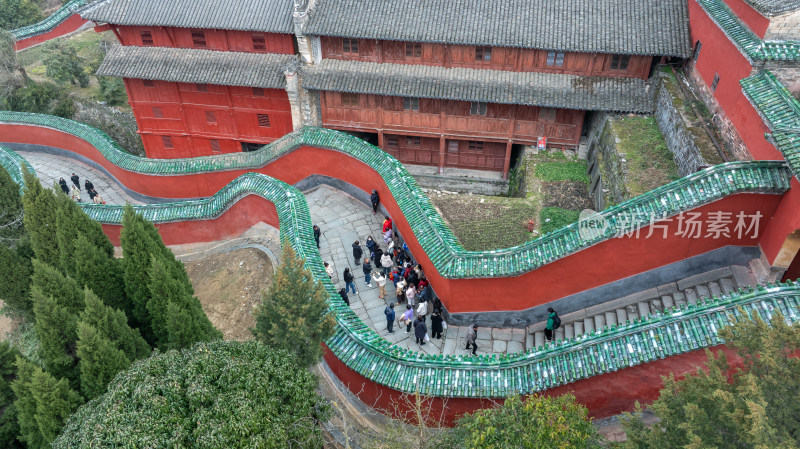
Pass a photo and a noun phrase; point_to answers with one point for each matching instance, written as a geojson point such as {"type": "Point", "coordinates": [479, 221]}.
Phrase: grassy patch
{"type": "Point", "coordinates": [649, 162]}
{"type": "Point", "coordinates": [558, 218]}
{"type": "Point", "coordinates": [562, 171]}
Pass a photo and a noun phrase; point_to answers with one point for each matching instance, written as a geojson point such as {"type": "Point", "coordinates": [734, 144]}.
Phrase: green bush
{"type": "Point", "coordinates": [42, 98]}
{"type": "Point", "coordinates": [214, 395]}
{"type": "Point", "coordinates": [18, 13]}
{"type": "Point", "coordinates": [558, 218]}
{"type": "Point", "coordinates": [112, 90]}
{"type": "Point", "coordinates": [562, 171]}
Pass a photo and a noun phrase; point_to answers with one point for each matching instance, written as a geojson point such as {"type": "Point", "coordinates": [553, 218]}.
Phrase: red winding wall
{"type": "Point", "coordinates": [752, 18]}
{"type": "Point", "coordinates": [581, 271]}
{"type": "Point", "coordinates": [72, 23]}
{"type": "Point", "coordinates": [604, 395]}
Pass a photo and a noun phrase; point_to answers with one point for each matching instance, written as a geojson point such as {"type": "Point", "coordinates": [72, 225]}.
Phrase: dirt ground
{"type": "Point", "coordinates": [228, 286]}
{"type": "Point", "coordinates": [7, 325]}
{"type": "Point", "coordinates": [567, 195]}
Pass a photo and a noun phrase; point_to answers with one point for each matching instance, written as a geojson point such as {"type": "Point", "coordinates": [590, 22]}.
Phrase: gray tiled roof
{"type": "Point", "coordinates": [273, 16]}
{"type": "Point", "coordinates": [492, 86]}
{"type": "Point", "coordinates": [774, 7]}
{"type": "Point", "coordinates": [642, 27]}
{"type": "Point", "coordinates": [197, 66]}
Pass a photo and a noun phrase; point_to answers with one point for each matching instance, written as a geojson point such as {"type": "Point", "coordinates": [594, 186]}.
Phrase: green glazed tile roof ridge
{"type": "Point", "coordinates": [14, 163]}
{"type": "Point", "coordinates": [50, 22]}
{"type": "Point", "coordinates": [676, 331]}
{"type": "Point", "coordinates": [450, 259]}
{"type": "Point", "coordinates": [781, 112]}
{"type": "Point", "coordinates": [753, 47]}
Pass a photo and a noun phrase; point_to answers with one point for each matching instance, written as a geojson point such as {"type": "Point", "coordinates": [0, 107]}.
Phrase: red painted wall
{"type": "Point", "coordinates": [719, 55]}
{"type": "Point", "coordinates": [221, 40]}
{"type": "Point", "coordinates": [581, 271]}
{"type": "Point", "coordinates": [604, 395]}
{"type": "Point", "coordinates": [785, 221]}
{"type": "Point", "coordinates": [72, 23]}
{"type": "Point", "coordinates": [752, 18]}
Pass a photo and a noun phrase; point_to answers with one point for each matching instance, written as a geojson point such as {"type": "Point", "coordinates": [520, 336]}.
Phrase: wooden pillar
{"type": "Point", "coordinates": [441, 154]}
{"type": "Point", "coordinates": [380, 140]}
{"type": "Point", "coordinates": [507, 161]}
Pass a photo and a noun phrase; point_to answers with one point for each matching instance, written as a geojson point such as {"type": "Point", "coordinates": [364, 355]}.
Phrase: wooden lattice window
{"type": "Point", "coordinates": [148, 83]}
{"type": "Point", "coordinates": [263, 120]}
{"type": "Point", "coordinates": [715, 82]}
{"type": "Point", "coordinates": [157, 113]}
{"type": "Point", "coordinates": [697, 46]}
{"type": "Point", "coordinates": [147, 38]}
{"type": "Point", "coordinates": [215, 148]}
{"type": "Point", "coordinates": [350, 46]}
{"type": "Point", "coordinates": [412, 141]}
{"type": "Point", "coordinates": [483, 53]}
{"type": "Point", "coordinates": [199, 38]}
{"type": "Point", "coordinates": [167, 141]}
{"type": "Point", "coordinates": [555, 58]}
{"type": "Point", "coordinates": [620, 62]}
{"type": "Point", "coordinates": [211, 118]}
{"type": "Point", "coordinates": [258, 92]}
{"type": "Point", "coordinates": [413, 50]}
{"type": "Point", "coordinates": [475, 146]}
{"type": "Point", "coordinates": [349, 99]}
{"type": "Point", "coordinates": [477, 108]}
{"type": "Point", "coordinates": [410, 104]}
{"type": "Point", "coordinates": [259, 42]}
{"type": "Point", "coordinates": [391, 142]}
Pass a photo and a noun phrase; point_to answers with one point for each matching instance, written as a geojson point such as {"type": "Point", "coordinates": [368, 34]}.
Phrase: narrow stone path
{"type": "Point", "coordinates": [342, 220]}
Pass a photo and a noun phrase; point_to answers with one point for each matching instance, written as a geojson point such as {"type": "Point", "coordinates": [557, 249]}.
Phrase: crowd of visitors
{"type": "Point", "coordinates": [74, 191]}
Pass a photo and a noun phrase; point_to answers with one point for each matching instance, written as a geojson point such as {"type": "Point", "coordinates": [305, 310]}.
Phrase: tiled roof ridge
{"type": "Point", "coordinates": [51, 21]}
{"type": "Point", "coordinates": [781, 112]}
{"type": "Point", "coordinates": [676, 331]}
{"type": "Point", "coordinates": [434, 236]}
{"type": "Point", "coordinates": [773, 8]}
{"type": "Point", "coordinates": [753, 47]}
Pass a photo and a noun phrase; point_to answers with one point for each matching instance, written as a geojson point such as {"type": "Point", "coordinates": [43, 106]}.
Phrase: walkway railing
{"type": "Point", "coordinates": [676, 331]}
{"type": "Point", "coordinates": [52, 21]}
{"type": "Point", "coordinates": [450, 259]}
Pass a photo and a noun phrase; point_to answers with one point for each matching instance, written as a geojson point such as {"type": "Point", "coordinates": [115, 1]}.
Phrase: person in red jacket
{"type": "Point", "coordinates": [387, 229]}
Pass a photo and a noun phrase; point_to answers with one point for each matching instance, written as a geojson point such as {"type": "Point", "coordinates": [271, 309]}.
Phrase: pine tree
{"type": "Point", "coordinates": [137, 248]}
{"type": "Point", "coordinates": [55, 402]}
{"type": "Point", "coordinates": [101, 273]}
{"type": "Point", "coordinates": [100, 360]}
{"type": "Point", "coordinates": [9, 428]}
{"type": "Point", "coordinates": [11, 228]}
{"type": "Point", "coordinates": [293, 313]}
{"type": "Point", "coordinates": [40, 207]}
{"type": "Point", "coordinates": [72, 222]}
{"type": "Point", "coordinates": [26, 405]}
{"type": "Point", "coordinates": [15, 272]}
{"type": "Point", "coordinates": [112, 324]}
{"type": "Point", "coordinates": [178, 320]}
{"type": "Point", "coordinates": [56, 328]}
{"type": "Point", "coordinates": [47, 281]}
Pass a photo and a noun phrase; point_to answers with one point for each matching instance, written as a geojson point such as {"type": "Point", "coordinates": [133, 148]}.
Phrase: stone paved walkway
{"type": "Point", "coordinates": [343, 219]}
{"type": "Point", "coordinates": [50, 167]}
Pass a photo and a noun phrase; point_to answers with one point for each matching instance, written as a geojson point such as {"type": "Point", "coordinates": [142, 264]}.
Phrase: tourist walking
{"type": "Point", "coordinates": [387, 229]}
{"type": "Point", "coordinates": [472, 335]}
{"type": "Point", "coordinates": [422, 310]}
{"type": "Point", "coordinates": [357, 252]}
{"type": "Point", "coordinates": [381, 280]}
{"type": "Point", "coordinates": [371, 244]}
{"type": "Point", "coordinates": [436, 324]}
{"type": "Point", "coordinates": [411, 294]}
{"type": "Point", "coordinates": [389, 312]}
{"type": "Point", "coordinates": [63, 185]}
{"type": "Point", "coordinates": [349, 281]}
{"type": "Point", "coordinates": [329, 270]}
{"type": "Point", "coordinates": [92, 193]}
{"type": "Point", "coordinates": [408, 318]}
{"type": "Point", "coordinates": [76, 180]}
{"type": "Point", "coordinates": [552, 323]}
{"type": "Point", "coordinates": [75, 193]}
{"type": "Point", "coordinates": [386, 263]}
{"type": "Point", "coordinates": [375, 199]}
{"type": "Point", "coordinates": [420, 330]}
{"type": "Point", "coordinates": [400, 290]}
{"type": "Point", "coordinates": [97, 198]}
{"type": "Point", "coordinates": [345, 298]}
{"type": "Point", "coordinates": [376, 256]}
{"type": "Point", "coordinates": [367, 269]}
{"type": "Point", "coordinates": [88, 185]}
{"type": "Point", "coordinates": [317, 233]}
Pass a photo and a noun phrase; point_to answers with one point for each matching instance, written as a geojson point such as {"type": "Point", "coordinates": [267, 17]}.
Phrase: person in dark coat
{"type": "Point", "coordinates": [420, 329]}
{"type": "Point", "coordinates": [317, 233]}
{"type": "Point", "coordinates": [88, 185]}
{"type": "Point", "coordinates": [349, 280]}
{"type": "Point", "coordinates": [92, 193]}
{"type": "Point", "coordinates": [371, 244]}
{"type": "Point", "coordinates": [390, 315]}
{"type": "Point", "coordinates": [367, 269]}
{"type": "Point", "coordinates": [436, 324]}
{"type": "Point", "coordinates": [437, 303]}
{"type": "Point", "coordinates": [63, 185]}
{"type": "Point", "coordinates": [375, 199]}
{"type": "Point", "coordinates": [343, 294]}
{"type": "Point", "coordinates": [425, 293]}
{"type": "Point", "coordinates": [376, 257]}
{"type": "Point", "coordinates": [76, 180]}
{"type": "Point", "coordinates": [357, 252]}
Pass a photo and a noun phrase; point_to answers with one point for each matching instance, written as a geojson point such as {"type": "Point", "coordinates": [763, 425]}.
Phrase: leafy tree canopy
{"type": "Point", "coordinates": [215, 395]}
{"type": "Point", "coordinates": [18, 13]}
{"type": "Point", "coordinates": [64, 65]}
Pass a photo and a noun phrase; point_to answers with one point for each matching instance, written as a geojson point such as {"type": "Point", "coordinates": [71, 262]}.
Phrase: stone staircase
{"type": "Point", "coordinates": [717, 282]}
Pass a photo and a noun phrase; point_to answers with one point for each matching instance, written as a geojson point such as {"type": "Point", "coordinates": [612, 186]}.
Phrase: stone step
{"type": "Point", "coordinates": [728, 285]}
{"type": "Point", "coordinates": [644, 309]}
{"type": "Point", "coordinates": [569, 331]}
{"type": "Point", "coordinates": [599, 321]}
{"type": "Point", "coordinates": [703, 291]}
{"type": "Point", "coordinates": [622, 316]}
{"type": "Point", "coordinates": [538, 339]}
{"type": "Point", "coordinates": [679, 298]}
{"type": "Point", "coordinates": [715, 289]}
{"type": "Point", "coordinates": [588, 325]}
{"type": "Point", "coordinates": [691, 296]}
{"type": "Point", "coordinates": [667, 302]}
{"type": "Point", "coordinates": [611, 318]}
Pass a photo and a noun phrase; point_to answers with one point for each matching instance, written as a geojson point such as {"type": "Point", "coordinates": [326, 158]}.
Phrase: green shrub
{"type": "Point", "coordinates": [558, 218]}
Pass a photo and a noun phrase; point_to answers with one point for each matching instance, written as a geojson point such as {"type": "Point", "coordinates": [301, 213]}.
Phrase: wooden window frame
{"type": "Point", "coordinates": [475, 146]}
{"type": "Point", "coordinates": [148, 83]}
{"type": "Point", "coordinates": [350, 99]}
{"type": "Point", "coordinates": [259, 41]}
{"type": "Point", "coordinates": [392, 141]}
{"type": "Point", "coordinates": [555, 58]}
{"type": "Point", "coordinates": [263, 120]}
{"type": "Point", "coordinates": [168, 143]}
{"type": "Point", "coordinates": [211, 118]}
{"type": "Point", "coordinates": [619, 62]}
{"type": "Point", "coordinates": [483, 54]}
{"type": "Point", "coordinates": [147, 38]}
{"type": "Point", "coordinates": [715, 82]}
{"type": "Point", "coordinates": [478, 108]}
{"type": "Point", "coordinates": [413, 141]}
{"type": "Point", "coordinates": [199, 39]}
{"type": "Point", "coordinates": [411, 104]}
{"type": "Point", "coordinates": [696, 52]}
{"type": "Point", "coordinates": [349, 46]}
{"type": "Point", "coordinates": [413, 50]}
{"type": "Point", "coordinates": [215, 146]}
